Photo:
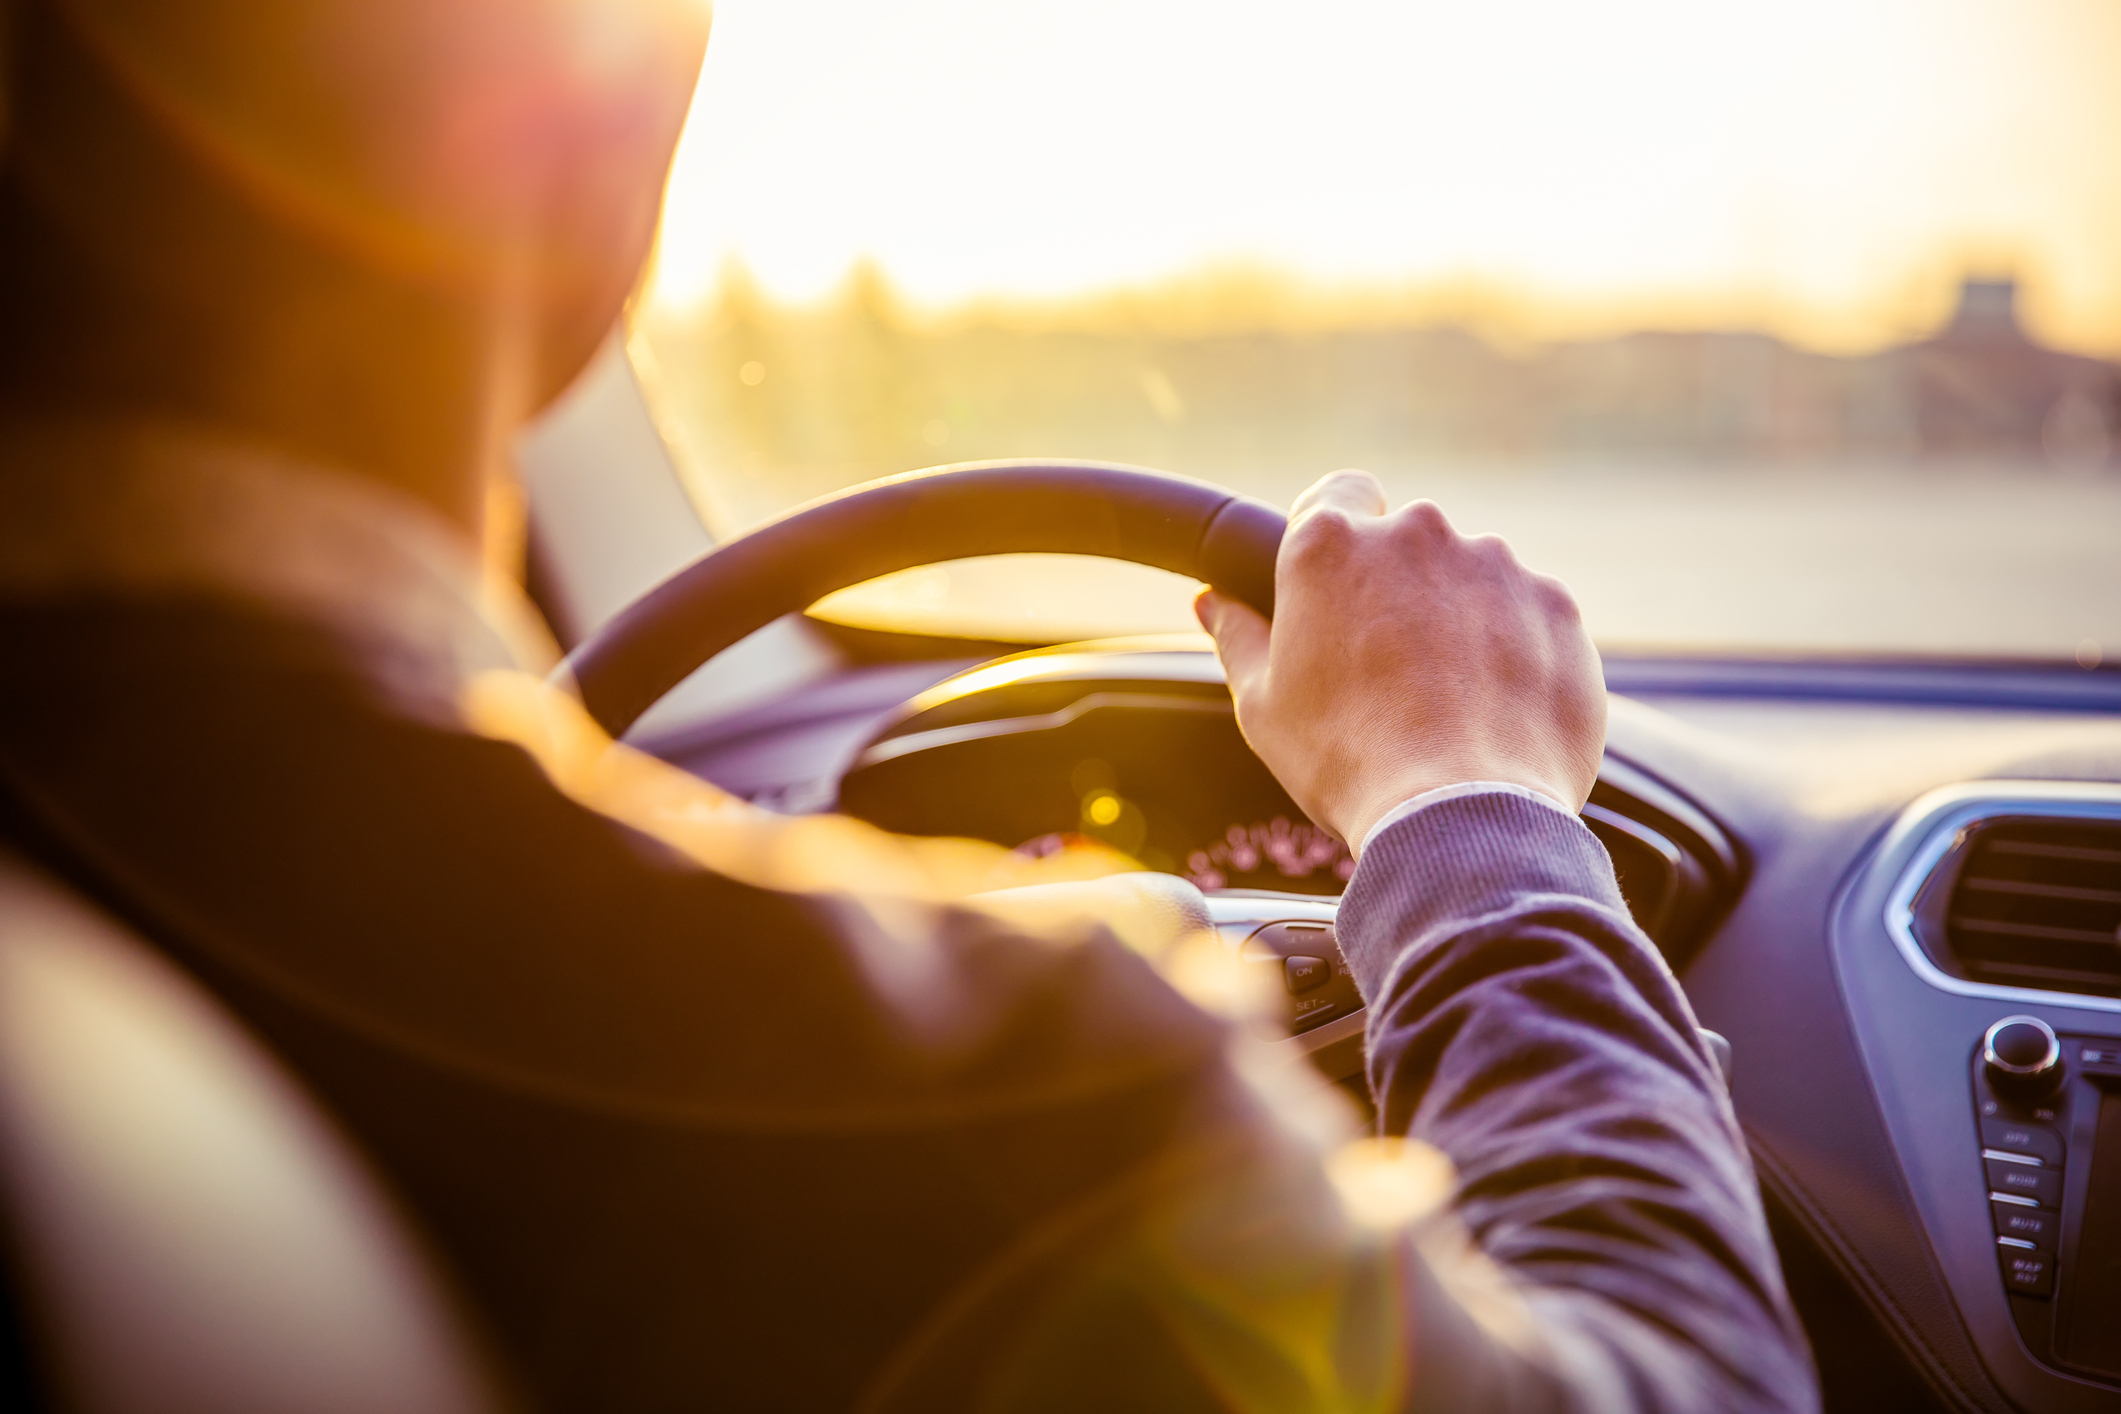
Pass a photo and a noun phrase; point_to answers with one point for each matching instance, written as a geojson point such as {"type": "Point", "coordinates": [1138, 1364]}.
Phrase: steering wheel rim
{"type": "Point", "coordinates": [1106, 509]}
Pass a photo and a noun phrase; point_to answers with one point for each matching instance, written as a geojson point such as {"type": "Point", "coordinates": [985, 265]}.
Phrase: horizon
{"type": "Point", "coordinates": [1235, 299]}
{"type": "Point", "coordinates": [1822, 170]}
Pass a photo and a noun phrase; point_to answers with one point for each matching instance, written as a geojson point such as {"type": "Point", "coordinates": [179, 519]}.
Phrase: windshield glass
{"type": "Point", "coordinates": [1767, 326]}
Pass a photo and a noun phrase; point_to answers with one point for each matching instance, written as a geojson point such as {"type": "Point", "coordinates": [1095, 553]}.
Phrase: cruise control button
{"type": "Point", "coordinates": [2043, 1185]}
{"type": "Point", "coordinates": [2028, 1273]}
{"type": "Point", "coordinates": [2034, 1225]}
{"type": "Point", "coordinates": [1303, 973]}
{"type": "Point", "coordinates": [2038, 1140]}
{"type": "Point", "coordinates": [1315, 1011]}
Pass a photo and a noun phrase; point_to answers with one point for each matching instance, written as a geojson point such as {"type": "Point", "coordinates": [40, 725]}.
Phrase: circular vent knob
{"type": "Point", "coordinates": [2023, 1057]}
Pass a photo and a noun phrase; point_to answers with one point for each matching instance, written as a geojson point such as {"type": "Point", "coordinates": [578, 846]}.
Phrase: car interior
{"type": "Point", "coordinates": [1890, 884]}
{"type": "Point", "coordinates": [1892, 888]}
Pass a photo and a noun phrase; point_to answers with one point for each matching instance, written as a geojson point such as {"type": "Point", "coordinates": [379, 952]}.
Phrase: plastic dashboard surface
{"type": "Point", "coordinates": [1919, 1028]}
{"type": "Point", "coordinates": [1791, 797]}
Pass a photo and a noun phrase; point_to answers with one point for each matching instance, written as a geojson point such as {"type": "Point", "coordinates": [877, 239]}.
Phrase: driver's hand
{"type": "Point", "coordinates": [1404, 656]}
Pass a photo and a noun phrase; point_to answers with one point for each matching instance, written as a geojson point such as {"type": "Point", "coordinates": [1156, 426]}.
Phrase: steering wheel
{"type": "Point", "coordinates": [1175, 523]}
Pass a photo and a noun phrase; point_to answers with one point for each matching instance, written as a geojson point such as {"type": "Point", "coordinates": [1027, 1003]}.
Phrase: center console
{"type": "Point", "coordinates": [2048, 1111]}
{"type": "Point", "coordinates": [1980, 957]}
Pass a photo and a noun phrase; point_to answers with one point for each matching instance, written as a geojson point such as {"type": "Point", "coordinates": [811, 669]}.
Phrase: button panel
{"type": "Point", "coordinates": [2022, 1160]}
{"type": "Point", "coordinates": [1315, 978]}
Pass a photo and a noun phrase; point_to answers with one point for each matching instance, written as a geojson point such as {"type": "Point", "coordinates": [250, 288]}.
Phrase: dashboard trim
{"type": "Point", "coordinates": [2013, 683]}
{"type": "Point", "coordinates": [1937, 819]}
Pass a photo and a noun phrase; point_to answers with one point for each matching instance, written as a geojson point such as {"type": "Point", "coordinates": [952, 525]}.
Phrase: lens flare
{"type": "Point", "coordinates": [443, 139]}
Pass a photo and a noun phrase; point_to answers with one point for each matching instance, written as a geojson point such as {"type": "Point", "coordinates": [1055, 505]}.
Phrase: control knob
{"type": "Point", "coordinates": [2023, 1058]}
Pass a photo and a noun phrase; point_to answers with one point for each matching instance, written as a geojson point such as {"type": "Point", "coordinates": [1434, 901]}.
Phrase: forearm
{"type": "Point", "coordinates": [1522, 1024]}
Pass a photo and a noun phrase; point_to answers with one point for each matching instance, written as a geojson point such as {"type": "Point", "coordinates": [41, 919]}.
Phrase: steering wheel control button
{"type": "Point", "coordinates": [2024, 1180]}
{"type": "Point", "coordinates": [2026, 1271]}
{"type": "Point", "coordinates": [1312, 1010]}
{"type": "Point", "coordinates": [2033, 1226]}
{"type": "Point", "coordinates": [2023, 1058]}
{"type": "Point", "coordinates": [1303, 973]}
{"type": "Point", "coordinates": [1293, 940]}
{"type": "Point", "coordinates": [1318, 982]}
{"type": "Point", "coordinates": [2010, 1136]}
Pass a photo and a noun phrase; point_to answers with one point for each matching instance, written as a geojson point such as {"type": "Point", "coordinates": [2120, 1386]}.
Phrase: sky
{"type": "Point", "coordinates": [1825, 169]}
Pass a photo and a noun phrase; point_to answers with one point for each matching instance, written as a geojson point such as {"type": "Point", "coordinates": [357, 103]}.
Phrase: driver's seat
{"type": "Point", "coordinates": [186, 1230]}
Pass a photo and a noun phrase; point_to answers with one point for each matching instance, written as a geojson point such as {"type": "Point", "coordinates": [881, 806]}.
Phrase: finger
{"type": "Point", "coordinates": [1240, 635]}
{"type": "Point", "coordinates": [1356, 492]}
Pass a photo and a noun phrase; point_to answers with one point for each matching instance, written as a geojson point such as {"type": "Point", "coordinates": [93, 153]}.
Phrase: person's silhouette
{"type": "Point", "coordinates": [699, 1123]}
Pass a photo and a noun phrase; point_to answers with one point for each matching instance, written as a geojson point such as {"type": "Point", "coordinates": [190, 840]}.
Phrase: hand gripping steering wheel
{"type": "Point", "coordinates": [954, 512]}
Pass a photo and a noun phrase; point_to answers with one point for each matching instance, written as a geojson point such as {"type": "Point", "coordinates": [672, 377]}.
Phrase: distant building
{"type": "Point", "coordinates": [1982, 387]}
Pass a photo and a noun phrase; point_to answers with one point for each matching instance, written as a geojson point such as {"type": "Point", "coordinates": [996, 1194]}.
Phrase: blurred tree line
{"type": "Point", "coordinates": [796, 401]}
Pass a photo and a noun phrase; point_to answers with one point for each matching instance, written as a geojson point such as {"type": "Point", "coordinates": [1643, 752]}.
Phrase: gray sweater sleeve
{"type": "Point", "coordinates": [1521, 1023]}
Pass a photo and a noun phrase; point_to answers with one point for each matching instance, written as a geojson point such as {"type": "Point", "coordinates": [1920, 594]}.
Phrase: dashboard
{"type": "Point", "coordinates": [1885, 885]}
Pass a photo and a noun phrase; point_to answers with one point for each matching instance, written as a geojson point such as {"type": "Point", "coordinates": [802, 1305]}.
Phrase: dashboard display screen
{"type": "Point", "coordinates": [1158, 770]}
{"type": "Point", "coordinates": [2091, 1284]}
{"type": "Point", "coordinates": [1167, 780]}
{"type": "Point", "coordinates": [1277, 854]}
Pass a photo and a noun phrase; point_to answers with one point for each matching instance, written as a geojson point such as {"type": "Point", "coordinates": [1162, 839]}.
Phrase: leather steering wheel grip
{"type": "Point", "coordinates": [1117, 512]}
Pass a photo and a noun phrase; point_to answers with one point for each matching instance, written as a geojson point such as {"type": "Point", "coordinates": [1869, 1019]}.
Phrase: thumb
{"type": "Point", "coordinates": [1240, 634]}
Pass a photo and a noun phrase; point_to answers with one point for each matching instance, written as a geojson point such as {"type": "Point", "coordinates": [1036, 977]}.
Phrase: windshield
{"type": "Point", "coordinates": [1779, 326]}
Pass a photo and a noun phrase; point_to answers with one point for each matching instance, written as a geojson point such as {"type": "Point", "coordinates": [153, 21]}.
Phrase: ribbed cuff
{"type": "Point", "coordinates": [1443, 867]}
{"type": "Point", "coordinates": [1442, 793]}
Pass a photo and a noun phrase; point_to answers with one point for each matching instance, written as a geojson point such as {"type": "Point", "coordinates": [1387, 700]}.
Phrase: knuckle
{"type": "Point", "coordinates": [1420, 525]}
{"type": "Point", "coordinates": [1493, 550]}
{"type": "Point", "coordinates": [1554, 597]}
{"type": "Point", "coordinates": [1348, 490]}
{"type": "Point", "coordinates": [1349, 476]}
{"type": "Point", "coordinates": [1323, 532]}
{"type": "Point", "coordinates": [1425, 516]}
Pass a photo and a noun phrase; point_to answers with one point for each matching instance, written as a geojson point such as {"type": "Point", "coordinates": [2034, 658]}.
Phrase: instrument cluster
{"type": "Point", "coordinates": [1140, 751]}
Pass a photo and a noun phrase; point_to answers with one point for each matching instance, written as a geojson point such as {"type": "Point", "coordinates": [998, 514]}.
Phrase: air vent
{"type": "Point", "coordinates": [2023, 901]}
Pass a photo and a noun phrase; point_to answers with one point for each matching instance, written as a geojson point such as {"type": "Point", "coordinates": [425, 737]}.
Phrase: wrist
{"type": "Point", "coordinates": [1359, 821]}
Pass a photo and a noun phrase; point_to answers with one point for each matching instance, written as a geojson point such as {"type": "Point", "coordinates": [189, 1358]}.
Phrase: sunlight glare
{"type": "Point", "coordinates": [1822, 168]}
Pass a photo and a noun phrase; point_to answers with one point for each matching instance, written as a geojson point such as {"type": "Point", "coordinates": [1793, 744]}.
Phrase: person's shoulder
{"type": "Point", "coordinates": [149, 518]}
